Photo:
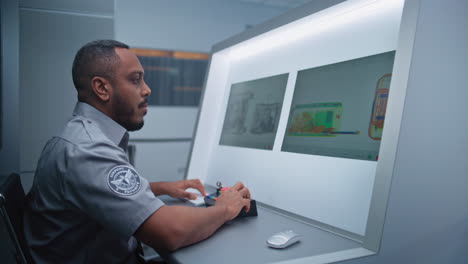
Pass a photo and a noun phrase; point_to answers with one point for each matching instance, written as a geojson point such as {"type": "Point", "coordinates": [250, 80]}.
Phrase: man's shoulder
{"type": "Point", "coordinates": [82, 137]}
{"type": "Point", "coordinates": [81, 130]}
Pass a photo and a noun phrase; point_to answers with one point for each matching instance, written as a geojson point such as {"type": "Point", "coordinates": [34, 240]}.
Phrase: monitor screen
{"type": "Point", "coordinates": [338, 110]}
{"type": "Point", "coordinates": [253, 112]}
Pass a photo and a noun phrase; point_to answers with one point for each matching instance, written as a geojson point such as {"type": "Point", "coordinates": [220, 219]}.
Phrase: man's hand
{"type": "Point", "coordinates": [177, 189]}
{"type": "Point", "coordinates": [234, 199]}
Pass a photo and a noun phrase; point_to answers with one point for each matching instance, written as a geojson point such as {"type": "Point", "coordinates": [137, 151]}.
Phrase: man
{"type": "Point", "coordinates": [87, 203]}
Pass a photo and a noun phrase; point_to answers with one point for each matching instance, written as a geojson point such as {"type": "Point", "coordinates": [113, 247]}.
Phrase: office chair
{"type": "Point", "coordinates": [12, 200]}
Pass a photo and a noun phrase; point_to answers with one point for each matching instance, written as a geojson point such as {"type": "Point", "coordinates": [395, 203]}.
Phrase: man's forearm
{"type": "Point", "coordinates": [202, 224]}
{"type": "Point", "coordinates": [173, 227]}
{"type": "Point", "coordinates": [177, 189]}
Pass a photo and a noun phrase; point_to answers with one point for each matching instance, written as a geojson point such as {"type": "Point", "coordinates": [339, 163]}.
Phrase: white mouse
{"type": "Point", "coordinates": [283, 239]}
{"type": "Point", "coordinates": [199, 201]}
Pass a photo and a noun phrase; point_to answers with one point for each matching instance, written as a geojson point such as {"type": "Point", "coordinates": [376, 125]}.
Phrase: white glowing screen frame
{"type": "Point", "coordinates": [337, 191]}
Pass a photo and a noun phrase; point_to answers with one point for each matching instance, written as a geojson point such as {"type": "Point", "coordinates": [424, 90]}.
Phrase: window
{"type": "Point", "coordinates": [175, 77]}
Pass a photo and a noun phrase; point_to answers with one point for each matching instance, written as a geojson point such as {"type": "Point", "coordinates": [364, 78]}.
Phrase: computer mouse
{"type": "Point", "coordinates": [199, 201]}
{"type": "Point", "coordinates": [283, 239]}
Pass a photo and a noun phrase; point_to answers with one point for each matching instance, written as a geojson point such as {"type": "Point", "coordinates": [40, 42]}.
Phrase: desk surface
{"type": "Point", "coordinates": [243, 240]}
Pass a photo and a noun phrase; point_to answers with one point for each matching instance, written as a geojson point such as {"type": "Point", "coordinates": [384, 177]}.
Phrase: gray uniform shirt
{"type": "Point", "coordinates": [87, 200]}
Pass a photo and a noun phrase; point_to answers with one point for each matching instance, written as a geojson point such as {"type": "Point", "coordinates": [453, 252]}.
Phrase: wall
{"type": "Point", "coordinates": [163, 145]}
{"type": "Point", "coordinates": [185, 24]}
{"type": "Point", "coordinates": [9, 151]}
{"type": "Point", "coordinates": [427, 214]}
{"type": "Point", "coordinates": [50, 34]}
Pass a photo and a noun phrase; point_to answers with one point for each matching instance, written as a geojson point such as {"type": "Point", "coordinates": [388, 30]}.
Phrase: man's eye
{"type": "Point", "coordinates": [136, 80]}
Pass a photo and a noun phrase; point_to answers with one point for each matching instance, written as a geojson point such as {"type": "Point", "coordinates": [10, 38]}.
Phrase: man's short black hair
{"type": "Point", "coordinates": [97, 58]}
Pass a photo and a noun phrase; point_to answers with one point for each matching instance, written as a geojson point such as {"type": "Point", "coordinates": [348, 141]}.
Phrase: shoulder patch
{"type": "Point", "coordinates": [124, 180]}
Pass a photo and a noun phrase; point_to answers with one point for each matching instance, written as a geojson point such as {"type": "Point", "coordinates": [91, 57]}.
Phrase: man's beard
{"type": "Point", "coordinates": [134, 126]}
{"type": "Point", "coordinates": [124, 113]}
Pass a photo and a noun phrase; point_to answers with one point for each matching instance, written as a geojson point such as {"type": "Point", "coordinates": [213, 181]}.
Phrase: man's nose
{"type": "Point", "coordinates": [146, 90]}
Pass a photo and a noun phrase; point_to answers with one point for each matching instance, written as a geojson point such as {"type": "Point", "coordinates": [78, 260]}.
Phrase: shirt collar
{"type": "Point", "coordinates": [115, 132]}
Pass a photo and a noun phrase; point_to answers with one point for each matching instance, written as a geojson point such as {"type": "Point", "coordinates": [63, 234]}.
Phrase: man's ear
{"type": "Point", "coordinates": [101, 87]}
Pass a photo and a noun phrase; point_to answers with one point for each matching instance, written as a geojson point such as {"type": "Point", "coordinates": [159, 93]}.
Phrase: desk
{"type": "Point", "coordinates": [243, 241]}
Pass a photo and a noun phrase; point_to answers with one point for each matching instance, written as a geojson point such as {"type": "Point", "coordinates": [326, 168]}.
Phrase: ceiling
{"type": "Point", "coordinates": [278, 3]}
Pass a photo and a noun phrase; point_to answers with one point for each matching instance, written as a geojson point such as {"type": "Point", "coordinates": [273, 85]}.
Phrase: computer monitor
{"type": "Point", "coordinates": [253, 112]}
{"type": "Point", "coordinates": [338, 110]}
